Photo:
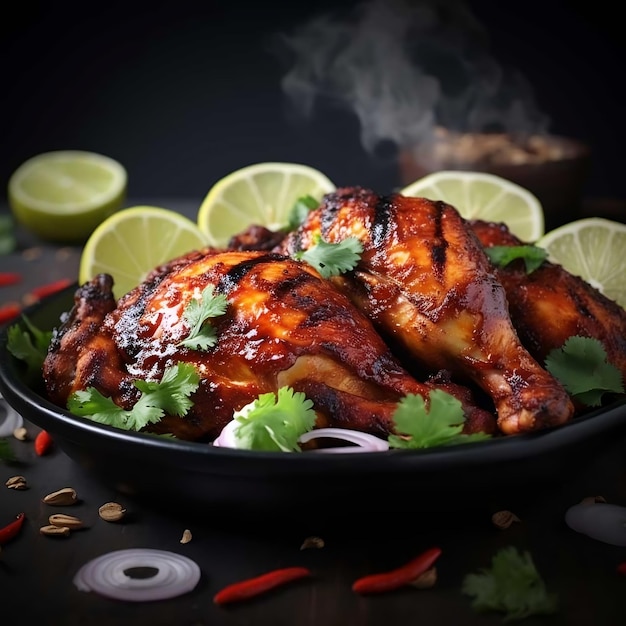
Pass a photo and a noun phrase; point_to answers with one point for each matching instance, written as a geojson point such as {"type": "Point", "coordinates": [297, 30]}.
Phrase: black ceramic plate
{"type": "Point", "coordinates": [439, 479]}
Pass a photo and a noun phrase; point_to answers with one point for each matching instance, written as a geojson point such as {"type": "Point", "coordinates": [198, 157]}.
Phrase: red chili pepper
{"type": "Point", "coordinates": [394, 579]}
{"type": "Point", "coordinates": [47, 290]}
{"type": "Point", "coordinates": [10, 530]}
{"type": "Point", "coordinates": [9, 312]}
{"type": "Point", "coordinates": [256, 586]}
{"type": "Point", "coordinates": [621, 569]}
{"type": "Point", "coordinates": [9, 278]}
{"type": "Point", "coordinates": [43, 442]}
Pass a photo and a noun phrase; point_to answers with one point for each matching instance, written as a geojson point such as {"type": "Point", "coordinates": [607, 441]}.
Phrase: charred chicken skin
{"type": "Point", "coordinates": [549, 305]}
{"type": "Point", "coordinates": [284, 325]}
{"type": "Point", "coordinates": [428, 286]}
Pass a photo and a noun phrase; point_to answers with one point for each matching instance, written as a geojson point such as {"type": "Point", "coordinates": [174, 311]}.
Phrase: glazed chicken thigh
{"type": "Point", "coordinates": [426, 283]}
{"type": "Point", "coordinates": [284, 325]}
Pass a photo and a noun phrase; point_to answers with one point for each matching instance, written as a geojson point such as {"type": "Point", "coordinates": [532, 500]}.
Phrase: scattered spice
{"type": "Point", "coordinates": [32, 254]}
{"type": "Point", "coordinates": [20, 433]}
{"type": "Point", "coordinates": [43, 443]}
{"type": "Point", "coordinates": [65, 521]}
{"type": "Point", "coordinates": [426, 580]}
{"type": "Point", "coordinates": [62, 497]}
{"type": "Point", "coordinates": [504, 519]}
{"type": "Point", "coordinates": [256, 586]}
{"type": "Point", "coordinates": [400, 577]}
{"type": "Point", "coordinates": [186, 538]}
{"type": "Point", "coordinates": [9, 531]}
{"type": "Point", "coordinates": [593, 500]}
{"type": "Point", "coordinates": [111, 512]}
{"type": "Point", "coordinates": [17, 482]}
{"type": "Point", "coordinates": [55, 531]}
{"type": "Point", "coordinates": [312, 542]}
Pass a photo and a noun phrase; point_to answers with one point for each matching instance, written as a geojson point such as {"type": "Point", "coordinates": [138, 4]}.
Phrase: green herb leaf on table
{"type": "Point", "coordinates": [332, 259]}
{"type": "Point", "coordinates": [274, 422]}
{"type": "Point", "coordinates": [6, 452]}
{"type": "Point", "coordinates": [302, 207]}
{"type": "Point", "coordinates": [501, 256]}
{"type": "Point", "coordinates": [582, 367]}
{"type": "Point", "coordinates": [512, 586]}
{"type": "Point", "coordinates": [439, 424]}
{"type": "Point", "coordinates": [30, 345]}
{"type": "Point", "coordinates": [198, 313]}
{"type": "Point", "coordinates": [7, 235]}
{"type": "Point", "coordinates": [170, 395]}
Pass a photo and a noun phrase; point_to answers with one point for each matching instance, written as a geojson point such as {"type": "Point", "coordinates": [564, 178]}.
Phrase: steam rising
{"type": "Point", "coordinates": [405, 68]}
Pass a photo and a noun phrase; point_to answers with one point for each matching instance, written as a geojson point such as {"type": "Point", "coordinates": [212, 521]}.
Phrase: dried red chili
{"type": "Point", "coordinates": [255, 586]}
{"type": "Point", "coordinates": [43, 442]}
{"type": "Point", "coordinates": [9, 312]}
{"type": "Point", "coordinates": [10, 530]}
{"type": "Point", "coordinates": [400, 577]}
{"type": "Point", "coordinates": [46, 290]}
{"type": "Point", "coordinates": [9, 278]}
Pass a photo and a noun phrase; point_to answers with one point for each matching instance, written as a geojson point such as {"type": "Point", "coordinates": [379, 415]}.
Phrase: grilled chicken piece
{"type": "Point", "coordinates": [549, 305]}
{"type": "Point", "coordinates": [284, 326]}
{"type": "Point", "coordinates": [426, 283]}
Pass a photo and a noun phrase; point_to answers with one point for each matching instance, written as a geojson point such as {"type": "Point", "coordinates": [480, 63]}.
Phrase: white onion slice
{"type": "Point", "coordinates": [10, 419]}
{"type": "Point", "coordinates": [600, 521]}
{"type": "Point", "coordinates": [175, 575]}
{"type": "Point", "coordinates": [364, 442]}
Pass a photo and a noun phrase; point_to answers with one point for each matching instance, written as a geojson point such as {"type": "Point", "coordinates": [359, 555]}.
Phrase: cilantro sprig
{"type": "Point", "coordinates": [170, 395]}
{"type": "Point", "coordinates": [274, 422]}
{"type": "Point", "coordinates": [441, 424]}
{"type": "Point", "coordinates": [501, 256]}
{"type": "Point", "coordinates": [332, 259]}
{"type": "Point", "coordinates": [512, 586]}
{"type": "Point", "coordinates": [301, 208]}
{"type": "Point", "coordinates": [197, 315]}
{"type": "Point", "coordinates": [582, 367]}
{"type": "Point", "coordinates": [29, 345]}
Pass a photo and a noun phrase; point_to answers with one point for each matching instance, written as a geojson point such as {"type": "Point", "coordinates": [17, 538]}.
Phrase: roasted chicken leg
{"type": "Point", "coordinates": [426, 283]}
{"type": "Point", "coordinates": [284, 326]}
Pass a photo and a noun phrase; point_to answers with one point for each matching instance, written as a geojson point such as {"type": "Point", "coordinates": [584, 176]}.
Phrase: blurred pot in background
{"type": "Point", "coordinates": [552, 167]}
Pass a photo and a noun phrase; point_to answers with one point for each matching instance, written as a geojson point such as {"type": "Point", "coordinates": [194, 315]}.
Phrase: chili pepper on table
{"type": "Point", "coordinates": [9, 278]}
{"type": "Point", "coordinates": [43, 442]}
{"type": "Point", "coordinates": [9, 311]}
{"type": "Point", "coordinates": [400, 577]}
{"type": "Point", "coordinates": [10, 530]}
{"type": "Point", "coordinates": [48, 289]}
{"type": "Point", "coordinates": [255, 586]}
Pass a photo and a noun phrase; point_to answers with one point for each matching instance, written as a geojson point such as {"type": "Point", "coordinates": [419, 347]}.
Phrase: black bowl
{"type": "Point", "coordinates": [465, 477]}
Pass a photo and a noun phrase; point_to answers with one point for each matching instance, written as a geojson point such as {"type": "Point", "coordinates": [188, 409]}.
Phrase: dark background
{"type": "Point", "coordinates": [183, 93]}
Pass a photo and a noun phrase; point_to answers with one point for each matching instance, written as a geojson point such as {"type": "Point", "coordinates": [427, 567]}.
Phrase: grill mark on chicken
{"type": "Point", "coordinates": [381, 225]}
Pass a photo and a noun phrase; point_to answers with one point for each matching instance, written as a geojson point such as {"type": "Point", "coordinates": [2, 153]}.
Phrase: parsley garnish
{"type": "Point", "coordinates": [197, 314]}
{"type": "Point", "coordinates": [30, 345]}
{"type": "Point", "coordinates": [439, 425]}
{"type": "Point", "coordinates": [533, 256]}
{"type": "Point", "coordinates": [302, 207]}
{"type": "Point", "coordinates": [6, 452]}
{"type": "Point", "coordinates": [512, 586]}
{"type": "Point", "coordinates": [332, 259]}
{"type": "Point", "coordinates": [169, 395]}
{"type": "Point", "coordinates": [582, 367]}
{"type": "Point", "coordinates": [274, 422]}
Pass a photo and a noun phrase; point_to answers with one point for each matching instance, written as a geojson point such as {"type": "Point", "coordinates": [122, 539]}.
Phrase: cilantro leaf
{"type": "Point", "coordinates": [512, 586]}
{"type": "Point", "coordinates": [582, 367]}
{"type": "Point", "coordinates": [274, 422]}
{"type": "Point", "coordinates": [169, 395]}
{"type": "Point", "coordinates": [302, 207]}
{"type": "Point", "coordinates": [501, 256]}
{"type": "Point", "coordinates": [439, 425]}
{"type": "Point", "coordinates": [6, 452]}
{"type": "Point", "coordinates": [30, 345]}
{"type": "Point", "coordinates": [8, 242]}
{"type": "Point", "coordinates": [197, 314]}
{"type": "Point", "coordinates": [332, 259]}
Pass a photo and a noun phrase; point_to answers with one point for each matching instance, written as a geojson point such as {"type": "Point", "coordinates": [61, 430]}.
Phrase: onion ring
{"type": "Point", "coordinates": [364, 442]}
{"type": "Point", "coordinates": [10, 419]}
{"type": "Point", "coordinates": [600, 521]}
{"type": "Point", "coordinates": [106, 575]}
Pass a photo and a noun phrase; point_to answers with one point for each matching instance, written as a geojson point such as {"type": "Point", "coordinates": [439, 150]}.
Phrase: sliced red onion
{"type": "Point", "coordinates": [107, 575]}
{"type": "Point", "coordinates": [364, 442]}
{"type": "Point", "coordinates": [600, 521]}
{"type": "Point", "coordinates": [10, 419]}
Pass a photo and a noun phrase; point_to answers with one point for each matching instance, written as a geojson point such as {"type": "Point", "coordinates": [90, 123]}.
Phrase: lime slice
{"type": "Point", "coordinates": [483, 196]}
{"type": "Point", "coordinates": [592, 248]}
{"type": "Point", "coordinates": [64, 195]}
{"type": "Point", "coordinates": [262, 194]}
{"type": "Point", "coordinates": [133, 241]}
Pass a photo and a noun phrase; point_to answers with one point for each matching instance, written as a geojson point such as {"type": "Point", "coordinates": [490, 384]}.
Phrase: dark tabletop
{"type": "Point", "coordinates": [36, 571]}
